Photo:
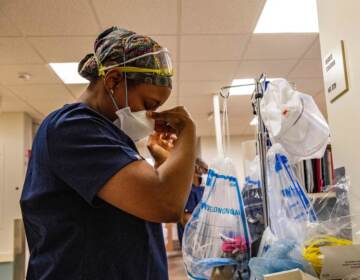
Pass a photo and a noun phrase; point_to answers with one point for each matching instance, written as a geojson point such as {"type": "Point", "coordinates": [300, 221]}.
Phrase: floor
{"type": "Point", "coordinates": [176, 268]}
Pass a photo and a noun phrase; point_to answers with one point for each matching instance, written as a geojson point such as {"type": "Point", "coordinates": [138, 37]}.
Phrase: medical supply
{"type": "Point", "coordinates": [217, 239]}
{"type": "Point", "coordinates": [282, 255]}
{"type": "Point", "coordinates": [137, 125]}
{"type": "Point", "coordinates": [312, 251]}
{"type": "Point", "coordinates": [294, 121]}
{"type": "Point", "coordinates": [158, 60]}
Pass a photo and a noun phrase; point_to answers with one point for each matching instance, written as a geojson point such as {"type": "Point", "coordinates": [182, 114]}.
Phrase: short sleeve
{"type": "Point", "coordinates": [85, 152]}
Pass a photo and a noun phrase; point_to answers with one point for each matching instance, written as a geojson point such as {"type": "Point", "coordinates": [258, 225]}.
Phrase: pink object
{"type": "Point", "coordinates": [233, 244]}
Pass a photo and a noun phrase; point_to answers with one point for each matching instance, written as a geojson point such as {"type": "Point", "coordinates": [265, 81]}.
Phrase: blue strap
{"type": "Point", "coordinates": [282, 160]}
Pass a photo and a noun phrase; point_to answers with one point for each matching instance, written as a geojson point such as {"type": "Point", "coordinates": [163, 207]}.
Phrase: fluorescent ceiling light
{"type": "Point", "coordinates": [68, 72]}
{"type": "Point", "coordinates": [288, 16]}
{"type": "Point", "coordinates": [254, 121]}
{"type": "Point", "coordinates": [244, 90]}
{"type": "Point", "coordinates": [247, 88]}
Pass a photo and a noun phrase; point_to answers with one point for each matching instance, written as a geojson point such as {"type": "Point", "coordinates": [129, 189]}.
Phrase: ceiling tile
{"type": "Point", "coordinates": [205, 126]}
{"type": "Point", "coordinates": [314, 52]}
{"type": "Point", "coordinates": [47, 107]}
{"type": "Point", "coordinates": [17, 51]}
{"type": "Point", "coordinates": [308, 86]}
{"type": "Point", "coordinates": [220, 17]}
{"type": "Point", "coordinates": [12, 103]}
{"type": "Point", "coordinates": [213, 47]}
{"type": "Point", "coordinates": [7, 29]}
{"type": "Point", "coordinates": [198, 105]}
{"type": "Point", "coordinates": [43, 97]}
{"type": "Point", "coordinates": [40, 74]}
{"type": "Point", "coordinates": [238, 126]}
{"type": "Point", "coordinates": [278, 46]}
{"type": "Point", "coordinates": [169, 42]}
{"type": "Point", "coordinates": [272, 68]}
{"type": "Point", "coordinates": [207, 71]}
{"type": "Point", "coordinates": [51, 17]}
{"type": "Point", "coordinates": [307, 69]}
{"type": "Point", "coordinates": [195, 88]}
{"type": "Point", "coordinates": [240, 107]}
{"type": "Point", "coordinates": [77, 89]}
{"type": "Point", "coordinates": [63, 49]}
{"type": "Point", "coordinates": [141, 16]}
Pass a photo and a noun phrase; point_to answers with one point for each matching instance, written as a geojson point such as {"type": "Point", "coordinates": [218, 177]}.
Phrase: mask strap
{"type": "Point", "coordinates": [126, 88]}
{"type": "Point", "coordinates": [113, 99]}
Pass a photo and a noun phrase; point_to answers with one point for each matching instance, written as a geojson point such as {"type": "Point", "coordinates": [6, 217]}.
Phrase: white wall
{"type": "Point", "coordinates": [238, 151]}
{"type": "Point", "coordinates": [15, 140]}
{"type": "Point", "coordinates": [340, 20]}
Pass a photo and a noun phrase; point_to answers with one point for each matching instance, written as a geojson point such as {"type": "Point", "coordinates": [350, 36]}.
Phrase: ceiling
{"type": "Point", "coordinates": [211, 42]}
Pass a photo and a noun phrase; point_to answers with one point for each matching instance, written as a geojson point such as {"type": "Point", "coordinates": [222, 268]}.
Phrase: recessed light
{"type": "Point", "coordinates": [247, 88]}
{"type": "Point", "coordinates": [285, 16]}
{"type": "Point", "coordinates": [254, 121]}
{"type": "Point", "coordinates": [24, 76]}
{"type": "Point", "coordinates": [68, 72]}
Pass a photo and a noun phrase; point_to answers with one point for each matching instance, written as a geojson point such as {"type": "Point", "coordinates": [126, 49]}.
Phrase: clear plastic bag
{"type": "Point", "coordinates": [217, 238]}
{"type": "Point", "coordinates": [294, 121]}
{"type": "Point", "coordinates": [290, 209]}
{"type": "Point", "coordinates": [254, 208]}
{"type": "Point", "coordinates": [338, 213]}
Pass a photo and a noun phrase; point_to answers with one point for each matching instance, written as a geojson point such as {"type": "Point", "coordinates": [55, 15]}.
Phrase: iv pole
{"type": "Point", "coordinates": [261, 136]}
{"type": "Point", "coordinates": [262, 146]}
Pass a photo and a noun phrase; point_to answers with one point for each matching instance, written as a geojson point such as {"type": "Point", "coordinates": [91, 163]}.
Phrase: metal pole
{"type": "Point", "coordinates": [217, 122]}
{"type": "Point", "coordinates": [261, 139]}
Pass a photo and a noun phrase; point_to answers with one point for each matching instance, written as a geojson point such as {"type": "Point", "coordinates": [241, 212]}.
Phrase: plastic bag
{"type": "Point", "coordinates": [290, 209]}
{"type": "Point", "coordinates": [337, 224]}
{"type": "Point", "coordinates": [294, 121]}
{"type": "Point", "coordinates": [217, 238]}
{"type": "Point", "coordinates": [338, 212]}
{"type": "Point", "coordinates": [282, 255]}
{"type": "Point", "coordinates": [312, 251]}
{"type": "Point", "coordinates": [254, 208]}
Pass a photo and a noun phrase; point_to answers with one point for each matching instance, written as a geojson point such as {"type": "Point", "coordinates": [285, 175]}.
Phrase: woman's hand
{"type": "Point", "coordinates": [160, 146]}
{"type": "Point", "coordinates": [173, 121]}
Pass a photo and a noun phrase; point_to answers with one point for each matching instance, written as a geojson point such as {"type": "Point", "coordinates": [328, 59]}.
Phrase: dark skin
{"type": "Point", "coordinates": [153, 194]}
{"type": "Point", "coordinates": [186, 216]}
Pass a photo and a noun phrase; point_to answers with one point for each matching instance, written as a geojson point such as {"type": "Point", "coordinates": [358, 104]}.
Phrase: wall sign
{"type": "Point", "coordinates": [335, 72]}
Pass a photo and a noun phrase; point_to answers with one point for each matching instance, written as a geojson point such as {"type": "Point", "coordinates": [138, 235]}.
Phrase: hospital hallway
{"type": "Point", "coordinates": [176, 268]}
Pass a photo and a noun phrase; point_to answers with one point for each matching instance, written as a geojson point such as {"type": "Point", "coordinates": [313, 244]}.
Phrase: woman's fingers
{"type": "Point", "coordinates": [171, 121]}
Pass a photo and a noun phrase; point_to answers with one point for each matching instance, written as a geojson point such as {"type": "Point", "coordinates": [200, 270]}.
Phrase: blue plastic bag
{"type": "Point", "coordinates": [282, 255]}
{"type": "Point", "coordinates": [217, 235]}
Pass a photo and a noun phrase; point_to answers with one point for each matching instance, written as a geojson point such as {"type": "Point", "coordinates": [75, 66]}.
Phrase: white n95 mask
{"type": "Point", "coordinates": [137, 125]}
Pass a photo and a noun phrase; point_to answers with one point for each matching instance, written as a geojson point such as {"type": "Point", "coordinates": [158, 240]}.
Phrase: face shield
{"type": "Point", "coordinates": [157, 63]}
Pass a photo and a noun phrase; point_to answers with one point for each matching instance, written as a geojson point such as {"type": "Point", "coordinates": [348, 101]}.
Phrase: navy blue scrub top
{"type": "Point", "coordinates": [73, 234]}
{"type": "Point", "coordinates": [193, 200]}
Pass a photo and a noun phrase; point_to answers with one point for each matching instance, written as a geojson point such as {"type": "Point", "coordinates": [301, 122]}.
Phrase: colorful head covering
{"type": "Point", "coordinates": [116, 45]}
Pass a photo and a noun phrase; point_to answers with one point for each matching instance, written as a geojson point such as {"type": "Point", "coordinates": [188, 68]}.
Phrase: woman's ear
{"type": "Point", "coordinates": [113, 79]}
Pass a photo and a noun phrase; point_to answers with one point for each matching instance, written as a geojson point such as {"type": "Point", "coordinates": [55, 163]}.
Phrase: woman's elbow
{"type": "Point", "coordinates": [173, 215]}
{"type": "Point", "coordinates": [172, 212]}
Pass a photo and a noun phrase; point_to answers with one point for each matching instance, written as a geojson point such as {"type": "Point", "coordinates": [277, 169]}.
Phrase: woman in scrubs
{"type": "Point", "coordinates": [92, 207]}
